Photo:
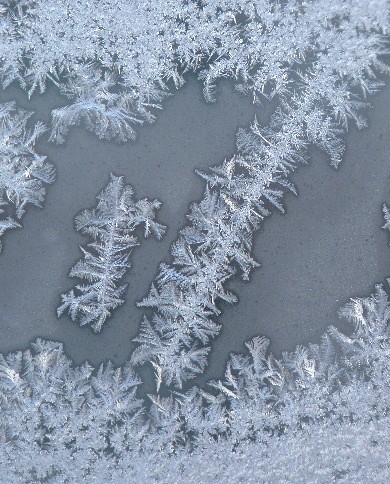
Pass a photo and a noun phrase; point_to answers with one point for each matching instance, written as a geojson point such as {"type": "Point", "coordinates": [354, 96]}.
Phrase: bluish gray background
{"type": "Point", "coordinates": [327, 247]}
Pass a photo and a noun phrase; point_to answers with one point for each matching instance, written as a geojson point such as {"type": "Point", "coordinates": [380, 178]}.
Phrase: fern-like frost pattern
{"type": "Point", "coordinates": [269, 419]}
{"type": "Point", "coordinates": [314, 109]}
{"type": "Point", "coordinates": [106, 259]}
{"type": "Point", "coordinates": [317, 414]}
{"type": "Point", "coordinates": [23, 172]}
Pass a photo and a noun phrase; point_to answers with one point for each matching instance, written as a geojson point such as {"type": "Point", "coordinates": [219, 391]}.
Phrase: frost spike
{"type": "Point", "coordinates": [105, 262]}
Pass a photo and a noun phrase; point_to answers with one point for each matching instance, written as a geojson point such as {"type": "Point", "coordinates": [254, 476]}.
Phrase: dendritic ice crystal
{"type": "Point", "coordinates": [318, 414]}
{"type": "Point", "coordinates": [106, 260]}
{"type": "Point", "coordinates": [23, 172]}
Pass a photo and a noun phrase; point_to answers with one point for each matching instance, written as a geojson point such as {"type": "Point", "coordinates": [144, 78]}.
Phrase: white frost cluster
{"type": "Point", "coordinates": [318, 414]}
{"type": "Point", "coordinates": [111, 225]}
{"type": "Point", "coordinates": [23, 172]}
{"type": "Point", "coordinates": [329, 92]}
{"type": "Point", "coordinates": [117, 60]}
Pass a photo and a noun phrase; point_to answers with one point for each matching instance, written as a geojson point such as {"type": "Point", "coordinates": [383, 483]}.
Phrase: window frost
{"type": "Point", "coordinates": [23, 173]}
{"type": "Point", "coordinates": [115, 60]}
{"type": "Point", "coordinates": [218, 239]}
{"type": "Point", "coordinates": [118, 60]}
{"type": "Point", "coordinates": [111, 225]}
{"type": "Point", "coordinates": [326, 400]}
{"type": "Point", "coordinates": [327, 404]}
{"type": "Point", "coordinates": [55, 413]}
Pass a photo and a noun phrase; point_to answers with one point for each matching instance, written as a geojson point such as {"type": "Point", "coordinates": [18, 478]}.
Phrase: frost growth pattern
{"type": "Point", "coordinates": [328, 93]}
{"type": "Point", "coordinates": [23, 172]}
{"type": "Point", "coordinates": [111, 225]}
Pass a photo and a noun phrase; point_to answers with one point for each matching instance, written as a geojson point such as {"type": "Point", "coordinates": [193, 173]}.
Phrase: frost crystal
{"type": "Point", "coordinates": [269, 420]}
{"type": "Point", "coordinates": [317, 414]}
{"type": "Point", "coordinates": [315, 108]}
{"type": "Point", "coordinates": [23, 173]}
{"type": "Point", "coordinates": [104, 264]}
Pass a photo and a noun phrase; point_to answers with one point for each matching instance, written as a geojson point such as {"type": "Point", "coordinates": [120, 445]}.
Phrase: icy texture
{"type": "Point", "coordinates": [318, 414]}
{"type": "Point", "coordinates": [59, 416]}
{"type": "Point", "coordinates": [23, 173]}
{"type": "Point", "coordinates": [217, 241]}
{"type": "Point", "coordinates": [111, 225]}
{"type": "Point", "coordinates": [114, 59]}
{"type": "Point", "coordinates": [117, 60]}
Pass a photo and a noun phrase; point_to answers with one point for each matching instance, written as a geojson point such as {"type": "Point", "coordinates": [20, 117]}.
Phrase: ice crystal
{"type": "Point", "coordinates": [105, 262]}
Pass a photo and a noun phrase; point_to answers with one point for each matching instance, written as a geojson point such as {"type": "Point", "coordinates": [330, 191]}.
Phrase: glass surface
{"type": "Point", "coordinates": [262, 390]}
